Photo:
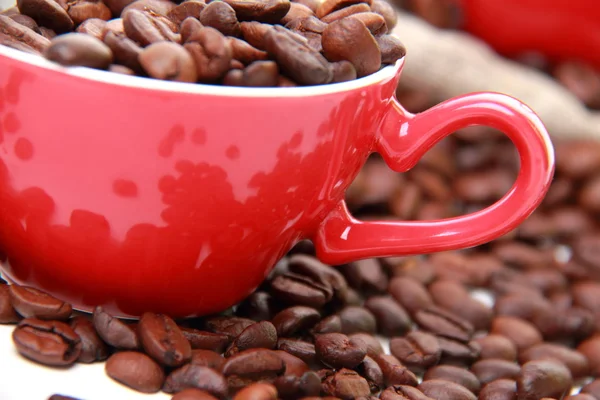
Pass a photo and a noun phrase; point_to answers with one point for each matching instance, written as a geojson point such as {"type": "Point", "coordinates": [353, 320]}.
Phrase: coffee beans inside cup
{"type": "Point", "coordinates": [258, 43]}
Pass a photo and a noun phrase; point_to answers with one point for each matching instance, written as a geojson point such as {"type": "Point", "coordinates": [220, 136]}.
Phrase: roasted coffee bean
{"type": "Point", "coordinates": [328, 6]}
{"type": "Point", "coordinates": [444, 323]}
{"type": "Point", "coordinates": [147, 28]}
{"type": "Point", "coordinates": [80, 50]}
{"type": "Point", "coordinates": [255, 364]}
{"type": "Point", "coordinates": [453, 297]}
{"type": "Point", "coordinates": [357, 319]}
{"type": "Point", "coordinates": [491, 369]}
{"type": "Point", "coordinates": [125, 51]}
{"type": "Point", "coordinates": [33, 303]}
{"type": "Point", "coordinates": [259, 335]}
{"type": "Point", "coordinates": [155, 7]}
{"type": "Point", "coordinates": [259, 305]}
{"type": "Point", "coordinates": [207, 358]}
{"type": "Point", "coordinates": [295, 319]}
{"type": "Point", "coordinates": [20, 37]}
{"type": "Point", "coordinates": [522, 333]}
{"type": "Point", "coordinates": [193, 376]}
{"type": "Point", "coordinates": [293, 387]}
{"type": "Point", "coordinates": [193, 394]}
{"type": "Point", "coordinates": [410, 267]}
{"type": "Point", "coordinates": [293, 365]}
{"type": "Point", "coordinates": [417, 350]}
{"type": "Point", "coordinates": [168, 61]}
{"type": "Point", "coordinates": [411, 294]}
{"type": "Point", "coordinates": [311, 267]}
{"type": "Point", "coordinates": [403, 392]}
{"type": "Point", "coordinates": [345, 12]}
{"type": "Point", "coordinates": [229, 326]}
{"type": "Point", "coordinates": [391, 48]}
{"type": "Point", "coordinates": [343, 71]}
{"type": "Point", "coordinates": [330, 324]}
{"type": "Point", "coordinates": [578, 158]}
{"type": "Point", "coordinates": [500, 389]}
{"type": "Point", "coordinates": [385, 9]}
{"type": "Point", "coordinates": [205, 340]}
{"type": "Point", "coordinates": [47, 13]}
{"type": "Point", "coordinates": [543, 378]}
{"type": "Point", "coordinates": [336, 350]}
{"type": "Point", "coordinates": [374, 22]}
{"type": "Point", "coordinates": [135, 370]}
{"type": "Point", "coordinates": [268, 11]}
{"type": "Point", "coordinates": [445, 390]}
{"type": "Point", "coordinates": [301, 349]}
{"type": "Point", "coordinates": [366, 275]}
{"type": "Point", "coordinates": [189, 8]}
{"type": "Point", "coordinates": [26, 21]}
{"type": "Point", "coordinates": [349, 39]}
{"type": "Point", "coordinates": [47, 342]}
{"type": "Point", "coordinates": [458, 352]}
{"type": "Point", "coordinates": [394, 373]}
{"type": "Point", "coordinates": [523, 306]}
{"type": "Point", "coordinates": [93, 27]}
{"type": "Point", "coordinates": [497, 346]}
{"type": "Point", "coordinates": [454, 374]}
{"type": "Point", "coordinates": [307, 67]}
{"type": "Point", "coordinates": [573, 360]}
{"type": "Point", "coordinates": [372, 372]}
{"type": "Point", "coordinates": [244, 52]}
{"type": "Point", "coordinates": [257, 391]}
{"type": "Point", "coordinates": [374, 347]}
{"type": "Point", "coordinates": [8, 315]}
{"type": "Point", "coordinates": [590, 348]}
{"type": "Point", "coordinates": [92, 347]}
{"type": "Point", "coordinates": [254, 33]}
{"type": "Point", "coordinates": [162, 339]}
{"type": "Point", "coordinates": [346, 384]}
{"type": "Point", "coordinates": [81, 10]}
{"type": "Point", "coordinates": [221, 16]}
{"type": "Point", "coordinates": [114, 332]}
{"type": "Point", "coordinates": [301, 290]}
{"type": "Point", "coordinates": [297, 11]}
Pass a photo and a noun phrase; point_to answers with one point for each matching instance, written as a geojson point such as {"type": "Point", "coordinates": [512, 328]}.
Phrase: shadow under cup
{"type": "Point", "coordinates": [144, 195]}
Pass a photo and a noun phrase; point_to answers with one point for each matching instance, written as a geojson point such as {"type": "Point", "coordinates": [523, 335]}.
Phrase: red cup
{"type": "Point", "coordinates": [144, 195]}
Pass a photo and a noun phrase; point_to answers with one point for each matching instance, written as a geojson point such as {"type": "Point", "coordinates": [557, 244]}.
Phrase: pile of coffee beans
{"type": "Point", "coordinates": [312, 331]}
{"type": "Point", "coordinates": [258, 43]}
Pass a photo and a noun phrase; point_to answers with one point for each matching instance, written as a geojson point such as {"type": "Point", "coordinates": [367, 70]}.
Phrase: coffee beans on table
{"type": "Point", "coordinates": [255, 43]}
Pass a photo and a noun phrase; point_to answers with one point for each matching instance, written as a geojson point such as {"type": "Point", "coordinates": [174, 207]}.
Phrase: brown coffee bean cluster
{"type": "Point", "coordinates": [258, 43]}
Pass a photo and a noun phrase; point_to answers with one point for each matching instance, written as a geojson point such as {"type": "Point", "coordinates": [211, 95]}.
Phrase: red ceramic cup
{"type": "Point", "coordinates": [145, 195]}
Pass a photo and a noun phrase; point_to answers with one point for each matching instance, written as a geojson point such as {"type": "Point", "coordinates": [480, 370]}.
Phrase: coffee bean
{"type": "Point", "coordinates": [411, 294]}
{"type": "Point", "coordinates": [193, 376]}
{"type": "Point", "coordinates": [385, 9]}
{"type": "Point", "coordinates": [244, 52]}
{"type": "Point", "coordinates": [61, 397]}
{"type": "Point", "coordinates": [20, 37]}
{"type": "Point", "coordinates": [93, 27]}
{"type": "Point", "coordinates": [578, 158]}
{"type": "Point", "coordinates": [454, 374]}
{"type": "Point", "coordinates": [155, 7]}
{"type": "Point", "coordinates": [47, 342]}
{"type": "Point", "coordinates": [305, 66]}
{"type": "Point", "coordinates": [293, 387]}
{"type": "Point", "coordinates": [346, 384]}
{"type": "Point", "coordinates": [374, 347]}
{"type": "Point", "coordinates": [309, 266]}
{"type": "Point", "coordinates": [92, 347]}
{"type": "Point", "coordinates": [81, 10]}
{"type": "Point", "coordinates": [520, 332]}
{"type": "Point", "coordinates": [255, 364]}
{"type": "Point", "coordinates": [163, 341]}
{"type": "Point", "coordinates": [492, 368]}
{"type": "Point", "coordinates": [444, 323]}
{"type": "Point", "coordinates": [374, 22]}
{"type": "Point", "coordinates": [500, 389]}
{"type": "Point", "coordinates": [268, 11]}
{"type": "Point", "coordinates": [254, 33]}
{"type": "Point", "coordinates": [592, 388]}
{"type": "Point", "coordinates": [229, 326]}
{"type": "Point", "coordinates": [574, 361]}
{"type": "Point", "coordinates": [458, 352]}
{"type": "Point", "coordinates": [497, 346]}
{"type": "Point", "coordinates": [259, 335]}
{"type": "Point", "coordinates": [417, 350]}
{"type": "Point", "coordinates": [543, 378]}
{"type": "Point", "coordinates": [168, 61]}
{"type": "Point", "coordinates": [581, 396]}
{"type": "Point", "coordinates": [113, 331]}
{"type": "Point", "coordinates": [338, 351]}
{"type": "Point", "coordinates": [125, 51]}
{"type": "Point", "coordinates": [47, 13]}
{"type": "Point", "coordinates": [221, 16]}
{"type": "Point", "coordinates": [372, 372]}
{"type": "Point", "coordinates": [391, 48]}
{"type": "Point", "coordinates": [585, 294]}
{"type": "Point", "coordinates": [301, 349]}
{"type": "Point", "coordinates": [193, 394]}
{"type": "Point", "coordinates": [205, 340]}
{"type": "Point", "coordinates": [297, 11]}
{"type": "Point", "coordinates": [343, 71]}
{"type": "Point", "coordinates": [135, 370]}
{"type": "Point", "coordinates": [294, 366]}
{"type": "Point", "coordinates": [33, 303]}
{"type": "Point", "coordinates": [257, 391]}
{"type": "Point", "coordinates": [259, 305]}
{"type": "Point", "coordinates": [301, 290]}
{"type": "Point", "coordinates": [345, 12]}
{"type": "Point", "coordinates": [590, 348]}
{"type": "Point", "coordinates": [366, 275]}
{"type": "Point", "coordinates": [349, 39]}
{"type": "Point", "coordinates": [453, 297]}
{"type": "Point", "coordinates": [394, 373]}
{"type": "Point", "coordinates": [8, 315]}
{"type": "Point", "coordinates": [207, 358]}
{"type": "Point", "coordinates": [26, 21]}
{"type": "Point", "coordinates": [190, 8]}
{"type": "Point", "coordinates": [357, 319]}
{"type": "Point", "coordinates": [523, 306]}
{"type": "Point", "coordinates": [146, 28]}
{"type": "Point", "coordinates": [330, 324]}
{"type": "Point", "coordinates": [403, 392]}
{"type": "Point", "coordinates": [80, 50]}
{"type": "Point", "coordinates": [328, 6]}
{"type": "Point", "coordinates": [445, 390]}
{"type": "Point", "coordinates": [295, 319]}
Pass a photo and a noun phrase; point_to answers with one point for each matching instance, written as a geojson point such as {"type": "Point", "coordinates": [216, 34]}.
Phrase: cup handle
{"type": "Point", "coordinates": [402, 140]}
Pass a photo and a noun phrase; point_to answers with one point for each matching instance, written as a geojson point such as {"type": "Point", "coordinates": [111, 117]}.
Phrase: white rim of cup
{"type": "Point", "coordinates": [116, 79]}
